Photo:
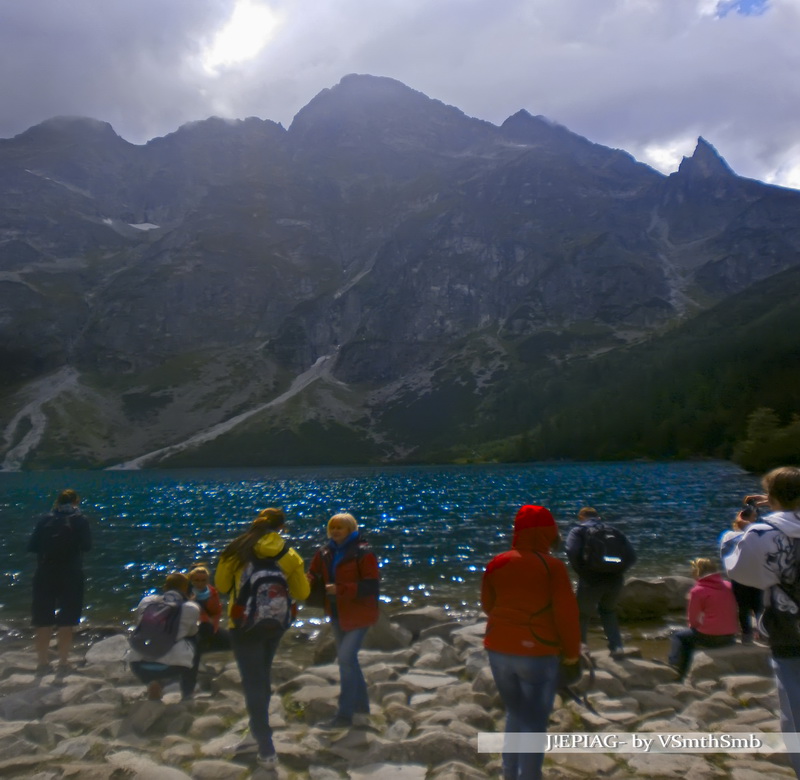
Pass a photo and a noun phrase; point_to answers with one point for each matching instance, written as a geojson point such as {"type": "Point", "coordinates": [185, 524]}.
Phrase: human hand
{"type": "Point", "coordinates": [330, 589]}
{"type": "Point", "coordinates": [571, 661]}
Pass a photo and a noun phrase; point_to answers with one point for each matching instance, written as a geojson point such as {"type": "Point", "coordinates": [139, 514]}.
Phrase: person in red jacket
{"type": "Point", "coordinates": [533, 623]}
{"type": "Point", "coordinates": [712, 616]}
{"type": "Point", "coordinates": [348, 570]}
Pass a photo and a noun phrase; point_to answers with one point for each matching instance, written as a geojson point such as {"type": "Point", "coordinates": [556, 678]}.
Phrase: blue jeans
{"type": "Point", "coordinates": [684, 641]}
{"type": "Point", "coordinates": [353, 696]}
{"type": "Point", "coordinates": [600, 595]}
{"type": "Point", "coordinates": [254, 651]}
{"type": "Point", "coordinates": [527, 686]}
{"type": "Point", "coordinates": [787, 674]}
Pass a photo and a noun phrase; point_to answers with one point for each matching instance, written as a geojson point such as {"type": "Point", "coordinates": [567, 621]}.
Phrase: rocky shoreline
{"type": "Point", "coordinates": [431, 692]}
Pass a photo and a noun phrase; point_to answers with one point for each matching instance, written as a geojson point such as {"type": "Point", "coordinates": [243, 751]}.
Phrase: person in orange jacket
{"type": "Point", "coordinates": [347, 569]}
{"type": "Point", "coordinates": [533, 624]}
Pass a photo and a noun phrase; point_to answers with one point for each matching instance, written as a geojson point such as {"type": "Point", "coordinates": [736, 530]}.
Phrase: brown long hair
{"type": "Point", "coordinates": [268, 521]}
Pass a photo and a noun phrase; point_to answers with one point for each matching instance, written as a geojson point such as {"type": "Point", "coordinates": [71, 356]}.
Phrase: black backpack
{"type": "Point", "coordinates": [263, 598]}
{"type": "Point", "coordinates": [157, 630]}
{"type": "Point", "coordinates": [57, 536]}
{"type": "Point", "coordinates": [606, 549]}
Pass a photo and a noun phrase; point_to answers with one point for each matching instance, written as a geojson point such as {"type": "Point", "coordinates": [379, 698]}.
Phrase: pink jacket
{"type": "Point", "coordinates": [712, 606]}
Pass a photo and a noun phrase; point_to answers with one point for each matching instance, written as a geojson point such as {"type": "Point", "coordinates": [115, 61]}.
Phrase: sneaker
{"type": "Point", "coordinates": [268, 762]}
{"type": "Point", "coordinates": [617, 653]}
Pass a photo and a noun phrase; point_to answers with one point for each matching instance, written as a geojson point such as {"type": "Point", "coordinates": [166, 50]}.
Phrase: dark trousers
{"type": "Point", "coordinates": [149, 672]}
{"type": "Point", "coordinates": [685, 640]}
{"type": "Point", "coordinates": [599, 595]}
{"type": "Point", "coordinates": [208, 641]}
{"type": "Point", "coordinates": [254, 651]}
{"type": "Point", "coordinates": [748, 603]}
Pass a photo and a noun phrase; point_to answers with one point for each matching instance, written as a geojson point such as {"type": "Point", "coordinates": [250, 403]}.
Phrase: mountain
{"type": "Point", "coordinates": [380, 282]}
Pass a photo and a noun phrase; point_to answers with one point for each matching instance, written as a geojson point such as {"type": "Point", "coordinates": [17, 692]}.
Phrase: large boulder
{"type": "Point", "coordinates": [644, 599]}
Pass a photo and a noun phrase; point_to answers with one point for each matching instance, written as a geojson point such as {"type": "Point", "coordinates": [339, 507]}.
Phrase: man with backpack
{"type": "Point", "coordinates": [59, 541]}
{"type": "Point", "coordinates": [162, 646]}
{"type": "Point", "coordinates": [600, 555]}
{"type": "Point", "coordinates": [768, 557]}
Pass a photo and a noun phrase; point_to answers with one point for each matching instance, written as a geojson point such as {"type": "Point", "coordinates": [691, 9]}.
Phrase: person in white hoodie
{"type": "Point", "coordinates": [177, 662]}
{"type": "Point", "coordinates": [768, 557]}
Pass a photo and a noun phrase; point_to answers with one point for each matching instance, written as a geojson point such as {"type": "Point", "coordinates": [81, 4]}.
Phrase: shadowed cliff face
{"type": "Point", "coordinates": [431, 258]}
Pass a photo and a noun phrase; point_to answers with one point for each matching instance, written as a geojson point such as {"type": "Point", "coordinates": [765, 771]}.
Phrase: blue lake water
{"type": "Point", "coordinates": [433, 528]}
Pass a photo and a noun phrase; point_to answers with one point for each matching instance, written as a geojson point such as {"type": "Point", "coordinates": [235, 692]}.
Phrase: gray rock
{"type": "Point", "coordinates": [389, 772]}
{"type": "Point", "coordinates": [206, 727]}
{"type": "Point", "coordinates": [643, 599]}
{"type": "Point", "coordinates": [110, 650]}
{"type": "Point", "coordinates": [218, 770]}
{"type": "Point", "coordinates": [141, 767]}
{"type": "Point", "coordinates": [417, 620]}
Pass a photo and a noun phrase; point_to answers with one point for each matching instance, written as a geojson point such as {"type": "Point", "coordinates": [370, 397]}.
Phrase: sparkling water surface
{"type": "Point", "coordinates": [433, 528]}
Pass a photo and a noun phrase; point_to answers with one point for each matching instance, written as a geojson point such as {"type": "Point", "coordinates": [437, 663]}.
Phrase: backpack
{"type": "Point", "coordinates": [57, 537]}
{"type": "Point", "coordinates": [605, 549]}
{"type": "Point", "coordinates": [263, 598]}
{"type": "Point", "coordinates": [157, 630]}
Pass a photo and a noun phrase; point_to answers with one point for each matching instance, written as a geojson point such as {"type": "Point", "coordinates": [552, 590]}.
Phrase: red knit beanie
{"type": "Point", "coordinates": [530, 516]}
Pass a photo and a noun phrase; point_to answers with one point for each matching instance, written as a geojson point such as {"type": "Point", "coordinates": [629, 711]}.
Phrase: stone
{"type": "Point", "coordinates": [206, 727]}
{"type": "Point", "coordinates": [111, 650]}
{"type": "Point", "coordinates": [385, 635]}
{"type": "Point", "coordinates": [143, 767]}
{"type": "Point", "coordinates": [218, 770]}
{"type": "Point", "coordinates": [672, 765]}
{"type": "Point", "coordinates": [417, 620]}
{"type": "Point", "coordinates": [643, 599]}
{"type": "Point", "coordinates": [389, 772]}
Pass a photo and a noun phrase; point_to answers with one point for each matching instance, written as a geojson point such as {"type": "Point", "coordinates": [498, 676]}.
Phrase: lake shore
{"type": "Point", "coordinates": [431, 692]}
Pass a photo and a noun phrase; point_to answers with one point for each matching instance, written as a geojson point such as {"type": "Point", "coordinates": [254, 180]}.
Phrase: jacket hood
{"type": "Point", "coordinates": [269, 545]}
{"type": "Point", "coordinates": [787, 522]}
{"type": "Point", "coordinates": [714, 581]}
{"type": "Point", "coordinates": [535, 529]}
{"type": "Point", "coordinates": [174, 597]}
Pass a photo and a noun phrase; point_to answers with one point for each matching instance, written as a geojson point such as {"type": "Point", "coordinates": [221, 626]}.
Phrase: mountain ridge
{"type": "Point", "coordinates": [432, 259]}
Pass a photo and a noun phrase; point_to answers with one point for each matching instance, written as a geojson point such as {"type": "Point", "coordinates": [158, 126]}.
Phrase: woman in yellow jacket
{"type": "Point", "coordinates": [256, 627]}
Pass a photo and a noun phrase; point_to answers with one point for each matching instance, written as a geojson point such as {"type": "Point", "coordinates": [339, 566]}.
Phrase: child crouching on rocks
{"type": "Point", "coordinates": [712, 616]}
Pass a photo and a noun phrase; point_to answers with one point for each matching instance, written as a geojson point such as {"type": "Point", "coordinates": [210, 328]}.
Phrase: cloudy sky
{"type": "Point", "coordinates": [647, 76]}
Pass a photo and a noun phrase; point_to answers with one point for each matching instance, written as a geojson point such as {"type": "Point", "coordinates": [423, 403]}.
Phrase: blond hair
{"type": "Point", "coordinates": [346, 519]}
{"type": "Point", "coordinates": [702, 567]}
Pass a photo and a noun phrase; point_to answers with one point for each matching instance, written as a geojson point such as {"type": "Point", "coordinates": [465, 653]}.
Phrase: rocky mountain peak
{"type": "Point", "coordinates": [69, 130]}
{"type": "Point", "coordinates": [362, 107]}
{"type": "Point", "coordinates": [705, 163]}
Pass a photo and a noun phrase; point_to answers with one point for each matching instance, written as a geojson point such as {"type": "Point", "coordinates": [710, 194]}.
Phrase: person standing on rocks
{"type": "Point", "coordinates": [600, 555]}
{"type": "Point", "coordinates": [711, 616]}
{"type": "Point", "coordinates": [768, 557]}
{"type": "Point", "coordinates": [347, 569]}
{"type": "Point", "coordinates": [748, 600]}
{"type": "Point", "coordinates": [59, 541]}
{"type": "Point", "coordinates": [532, 624]}
{"type": "Point", "coordinates": [262, 576]}
{"type": "Point", "coordinates": [211, 637]}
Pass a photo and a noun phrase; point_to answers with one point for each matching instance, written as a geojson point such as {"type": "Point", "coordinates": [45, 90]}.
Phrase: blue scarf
{"type": "Point", "coordinates": [339, 551]}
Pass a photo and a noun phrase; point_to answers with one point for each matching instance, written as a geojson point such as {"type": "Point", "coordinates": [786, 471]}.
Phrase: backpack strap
{"type": "Point", "coordinates": [547, 606]}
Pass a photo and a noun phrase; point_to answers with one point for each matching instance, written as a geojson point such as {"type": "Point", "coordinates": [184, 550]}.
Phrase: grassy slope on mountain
{"type": "Point", "coordinates": [687, 393]}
